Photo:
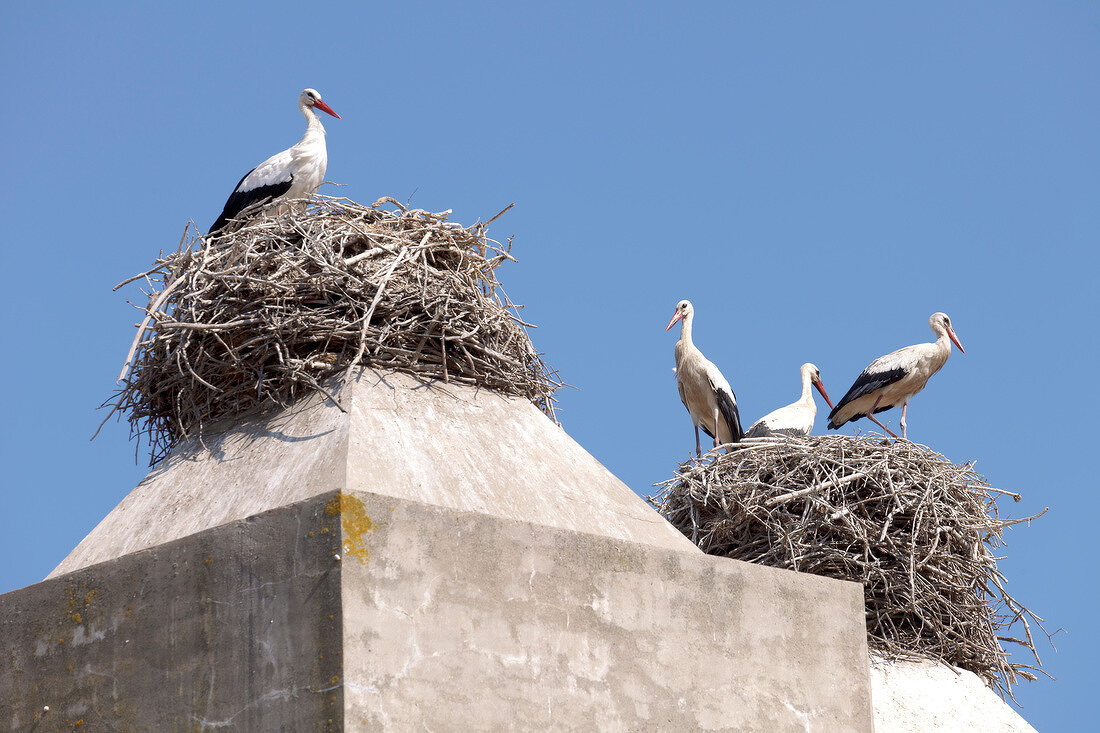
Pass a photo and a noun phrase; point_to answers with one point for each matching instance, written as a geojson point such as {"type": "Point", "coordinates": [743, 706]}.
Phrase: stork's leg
{"type": "Point", "coordinates": [716, 426]}
{"type": "Point", "coordinates": [698, 448]}
{"type": "Point", "coordinates": [904, 407]}
{"type": "Point", "coordinates": [872, 418]}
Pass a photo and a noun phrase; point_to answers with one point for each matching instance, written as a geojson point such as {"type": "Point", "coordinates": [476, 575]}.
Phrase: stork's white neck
{"type": "Point", "coordinates": [943, 341]}
{"type": "Point", "coordinates": [685, 329]}
{"type": "Point", "coordinates": [312, 120]}
{"type": "Point", "coordinates": [807, 385]}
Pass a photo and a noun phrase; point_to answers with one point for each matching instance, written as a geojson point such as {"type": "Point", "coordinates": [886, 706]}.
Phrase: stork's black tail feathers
{"type": "Point", "coordinates": [832, 413]}
{"type": "Point", "coordinates": [727, 406]}
{"type": "Point", "coordinates": [867, 382]}
{"type": "Point", "coordinates": [240, 200]}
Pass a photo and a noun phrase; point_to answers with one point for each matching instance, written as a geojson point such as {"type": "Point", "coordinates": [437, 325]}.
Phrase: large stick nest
{"type": "Point", "coordinates": [916, 530]}
{"type": "Point", "coordinates": [287, 304]}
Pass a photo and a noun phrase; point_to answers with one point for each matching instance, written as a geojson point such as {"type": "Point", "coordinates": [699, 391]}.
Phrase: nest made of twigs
{"type": "Point", "coordinates": [918, 531]}
{"type": "Point", "coordinates": [258, 316]}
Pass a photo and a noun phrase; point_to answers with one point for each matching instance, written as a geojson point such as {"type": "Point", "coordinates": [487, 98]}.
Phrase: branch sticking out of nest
{"type": "Point", "coordinates": [915, 529]}
{"type": "Point", "coordinates": [260, 315]}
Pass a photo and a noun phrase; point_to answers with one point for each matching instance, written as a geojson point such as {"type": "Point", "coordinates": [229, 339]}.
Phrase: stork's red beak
{"type": "Point", "coordinates": [325, 108]}
{"type": "Point", "coordinates": [675, 317]}
{"type": "Point", "coordinates": [821, 389]}
{"type": "Point", "coordinates": [951, 335]}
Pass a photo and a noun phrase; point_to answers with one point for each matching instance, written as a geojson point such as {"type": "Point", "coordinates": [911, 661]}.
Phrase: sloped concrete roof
{"type": "Point", "coordinates": [449, 445]}
{"type": "Point", "coordinates": [919, 696]}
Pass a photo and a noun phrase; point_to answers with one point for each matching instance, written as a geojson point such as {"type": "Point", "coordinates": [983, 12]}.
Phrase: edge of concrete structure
{"type": "Point", "coordinates": [240, 626]}
{"type": "Point", "coordinates": [518, 625]}
{"type": "Point", "coordinates": [446, 444]}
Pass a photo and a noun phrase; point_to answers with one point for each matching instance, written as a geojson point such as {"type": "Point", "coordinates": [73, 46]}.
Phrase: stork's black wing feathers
{"type": "Point", "coordinates": [240, 200]}
{"type": "Point", "coordinates": [865, 383]}
{"type": "Point", "coordinates": [758, 430]}
{"type": "Point", "coordinates": [761, 430]}
{"type": "Point", "coordinates": [727, 406]}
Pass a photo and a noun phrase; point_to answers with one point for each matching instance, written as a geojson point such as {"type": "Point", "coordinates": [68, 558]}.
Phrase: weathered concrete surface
{"type": "Point", "coordinates": [264, 463]}
{"type": "Point", "coordinates": [918, 696]}
{"type": "Point", "coordinates": [235, 628]}
{"type": "Point", "coordinates": [493, 575]}
{"type": "Point", "coordinates": [433, 618]}
{"type": "Point", "coordinates": [450, 445]}
{"type": "Point", "coordinates": [462, 621]}
{"type": "Point", "coordinates": [478, 451]}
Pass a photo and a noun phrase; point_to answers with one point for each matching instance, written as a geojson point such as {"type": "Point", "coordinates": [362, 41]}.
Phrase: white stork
{"type": "Point", "coordinates": [704, 391]}
{"type": "Point", "coordinates": [893, 379]}
{"type": "Point", "coordinates": [294, 173]}
{"type": "Point", "coordinates": [796, 418]}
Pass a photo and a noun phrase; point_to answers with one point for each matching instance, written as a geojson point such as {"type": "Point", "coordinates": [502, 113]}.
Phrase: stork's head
{"type": "Point", "coordinates": [312, 98]}
{"type": "Point", "coordinates": [683, 310]}
{"type": "Point", "coordinates": [940, 323]}
{"type": "Point", "coordinates": [811, 372]}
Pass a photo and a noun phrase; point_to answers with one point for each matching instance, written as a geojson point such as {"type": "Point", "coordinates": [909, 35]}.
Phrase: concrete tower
{"type": "Point", "coordinates": [433, 556]}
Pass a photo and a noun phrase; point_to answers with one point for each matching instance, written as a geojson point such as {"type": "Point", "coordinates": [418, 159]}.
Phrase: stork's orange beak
{"type": "Point", "coordinates": [678, 315]}
{"type": "Point", "coordinates": [821, 389]}
{"type": "Point", "coordinates": [951, 335]}
{"type": "Point", "coordinates": [325, 108]}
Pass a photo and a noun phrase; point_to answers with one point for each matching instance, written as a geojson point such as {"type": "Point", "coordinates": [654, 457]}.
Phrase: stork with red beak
{"type": "Point", "coordinates": [705, 393]}
{"type": "Point", "coordinates": [295, 173]}
{"type": "Point", "coordinates": [893, 379]}
{"type": "Point", "coordinates": [796, 418]}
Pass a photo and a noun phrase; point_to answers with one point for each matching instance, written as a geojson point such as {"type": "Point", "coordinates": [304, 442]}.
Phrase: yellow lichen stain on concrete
{"type": "Point", "coordinates": [79, 605]}
{"type": "Point", "coordinates": [355, 521]}
{"type": "Point", "coordinates": [333, 506]}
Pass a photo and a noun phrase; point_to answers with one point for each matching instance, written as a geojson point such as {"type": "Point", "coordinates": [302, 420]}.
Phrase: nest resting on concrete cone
{"type": "Point", "coordinates": [281, 306]}
{"type": "Point", "coordinates": [916, 530]}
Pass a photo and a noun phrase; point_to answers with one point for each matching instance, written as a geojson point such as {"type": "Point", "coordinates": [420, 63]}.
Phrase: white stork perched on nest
{"type": "Point", "coordinates": [796, 418]}
{"type": "Point", "coordinates": [705, 393]}
{"type": "Point", "coordinates": [893, 379]}
{"type": "Point", "coordinates": [294, 173]}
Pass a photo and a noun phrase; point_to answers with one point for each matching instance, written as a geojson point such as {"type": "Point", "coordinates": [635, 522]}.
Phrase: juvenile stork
{"type": "Point", "coordinates": [294, 173]}
{"type": "Point", "coordinates": [893, 379]}
{"type": "Point", "coordinates": [796, 418]}
{"type": "Point", "coordinates": [704, 391]}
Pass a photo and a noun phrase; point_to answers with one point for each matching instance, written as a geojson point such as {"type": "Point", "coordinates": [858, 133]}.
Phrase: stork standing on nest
{"type": "Point", "coordinates": [893, 379]}
{"type": "Point", "coordinates": [796, 418]}
{"type": "Point", "coordinates": [294, 173]}
{"type": "Point", "coordinates": [705, 393]}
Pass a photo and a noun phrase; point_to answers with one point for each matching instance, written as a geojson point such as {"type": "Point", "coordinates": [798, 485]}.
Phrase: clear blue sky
{"type": "Point", "coordinates": [817, 178]}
